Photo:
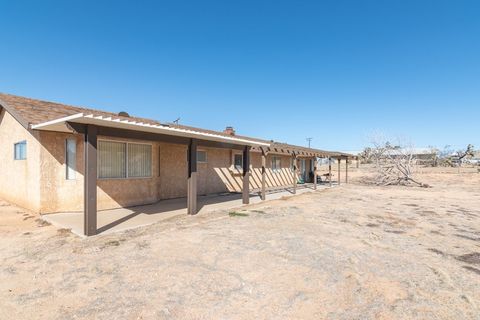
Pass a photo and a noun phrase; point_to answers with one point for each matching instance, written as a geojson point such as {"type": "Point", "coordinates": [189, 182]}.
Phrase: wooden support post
{"type": "Point", "coordinates": [264, 173]}
{"type": "Point", "coordinates": [346, 170]}
{"type": "Point", "coordinates": [295, 177]}
{"type": "Point", "coordinates": [246, 176]}
{"type": "Point", "coordinates": [330, 171]}
{"type": "Point", "coordinates": [339, 164]}
{"type": "Point", "coordinates": [358, 162]}
{"type": "Point", "coordinates": [90, 181]}
{"type": "Point", "coordinates": [192, 177]}
{"type": "Point", "coordinates": [315, 164]}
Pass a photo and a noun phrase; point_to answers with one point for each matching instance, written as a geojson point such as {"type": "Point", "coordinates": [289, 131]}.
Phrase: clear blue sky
{"type": "Point", "coordinates": [285, 70]}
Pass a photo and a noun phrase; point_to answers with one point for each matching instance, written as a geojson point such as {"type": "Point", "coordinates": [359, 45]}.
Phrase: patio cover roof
{"type": "Point", "coordinates": [61, 125]}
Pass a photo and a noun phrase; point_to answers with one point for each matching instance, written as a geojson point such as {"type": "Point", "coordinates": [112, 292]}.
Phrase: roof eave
{"type": "Point", "coordinates": [61, 125]}
{"type": "Point", "coordinates": [14, 114]}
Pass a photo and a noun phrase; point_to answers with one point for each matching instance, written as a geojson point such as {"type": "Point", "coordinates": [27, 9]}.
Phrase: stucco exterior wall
{"type": "Point", "coordinates": [58, 193]}
{"type": "Point", "coordinates": [173, 171]}
{"type": "Point", "coordinates": [19, 179]}
{"type": "Point", "coordinates": [168, 180]}
{"type": "Point", "coordinates": [224, 177]}
{"type": "Point", "coordinates": [39, 183]}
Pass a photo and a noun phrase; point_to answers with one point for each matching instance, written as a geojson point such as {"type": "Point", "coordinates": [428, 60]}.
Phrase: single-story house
{"type": "Point", "coordinates": [61, 158]}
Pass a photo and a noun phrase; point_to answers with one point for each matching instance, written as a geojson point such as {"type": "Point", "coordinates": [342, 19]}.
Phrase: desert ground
{"type": "Point", "coordinates": [356, 251]}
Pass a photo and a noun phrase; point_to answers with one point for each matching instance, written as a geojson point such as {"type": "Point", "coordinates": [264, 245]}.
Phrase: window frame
{"type": "Point", "coordinates": [127, 177]}
{"type": "Point", "coordinates": [20, 143]}
{"type": "Point", "coordinates": [206, 156]}
{"type": "Point", "coordinates": [274, 163]}
{"type": "Point", "coordinates": [234, 165]}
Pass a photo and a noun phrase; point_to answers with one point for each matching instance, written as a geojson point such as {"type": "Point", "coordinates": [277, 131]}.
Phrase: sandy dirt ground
{"type": "Point", "coordinates": [352, 252]}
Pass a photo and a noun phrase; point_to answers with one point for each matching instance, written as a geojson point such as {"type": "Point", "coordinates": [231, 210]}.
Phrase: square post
{"type": "Point", "coordinates": [192, 177]}
{"type": "Point", "coordinates": [90, 181]}
{"type": "Point", "coordinates": [346, 170]}
{"type": "Point", "coordinates": [264, 173]}
{"type": "Point", "coordinates": [295, 177]}
{"type": "Point", "coordinates": [246, 176]}
{"type": "Point", "coordinates": [315, 163]}
{"type": "Point", "coordinates": [330, 171]}
{"type": "Point", "coordinates": [339, 164]}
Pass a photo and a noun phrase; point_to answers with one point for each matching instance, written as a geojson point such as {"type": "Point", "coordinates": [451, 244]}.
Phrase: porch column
{"type": "Point", "coordinates": [192, 177]}
{"type": "Point", "coordinates": [315, 163]}
{"type": "Point", "coordinates": [246, 175]}
{"type": "Point", "coordinates": [295, 177]}
{"type": "Point", "coordinates": [330, 171]}
{"type": "Point", "coordinates": [339, 163]}
{"type": "Point", "coordinates": [264, 173]}
{"type": "Point", "coordinates": [90, 181]}
{"type": "Point", "coordinates": [346, 170]}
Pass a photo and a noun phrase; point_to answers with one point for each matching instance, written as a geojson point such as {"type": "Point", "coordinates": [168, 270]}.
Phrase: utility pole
{"type": "Point", "coordinates": [309, 141]}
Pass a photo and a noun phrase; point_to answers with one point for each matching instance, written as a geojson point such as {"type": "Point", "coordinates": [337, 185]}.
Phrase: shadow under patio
{"type": "Point", "coordinates": [115, 220]}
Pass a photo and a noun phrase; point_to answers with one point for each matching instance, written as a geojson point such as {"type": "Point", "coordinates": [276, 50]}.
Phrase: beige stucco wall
{"type": "Point", "coordinates": [222, 176]}
{"type": "Point", "coordinates": [58, 193]}
{"type": "Point", "coordinates": [19, 179]}
{"type": "Point", "coordinates": [168, 180]}
{"type": "Point", "coordinates": [169, 176]}
{"type": "Point", "coordinates": [39, 183]}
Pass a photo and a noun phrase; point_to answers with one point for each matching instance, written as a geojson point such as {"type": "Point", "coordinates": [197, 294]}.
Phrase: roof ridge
{"type": "Point", "coordinates": [50, 102]}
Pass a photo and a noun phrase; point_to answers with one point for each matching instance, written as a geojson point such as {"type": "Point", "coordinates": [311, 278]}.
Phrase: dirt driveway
{"type": "Point", "coordinates": [353, 252]}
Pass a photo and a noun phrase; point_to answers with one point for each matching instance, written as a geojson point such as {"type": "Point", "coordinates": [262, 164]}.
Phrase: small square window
{"type": "Point", "coordinates": [202, 156]}
{"type": "Point", "coordinates": [20, 150]}
{"type": "Point", "coordinates": [238, 161]}
{"type": "Point", "coordinates": [276, 164]}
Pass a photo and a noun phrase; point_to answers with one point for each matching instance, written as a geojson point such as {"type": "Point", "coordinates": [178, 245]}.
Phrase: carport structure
{"type": "Point", "coordinates": [91, 126]}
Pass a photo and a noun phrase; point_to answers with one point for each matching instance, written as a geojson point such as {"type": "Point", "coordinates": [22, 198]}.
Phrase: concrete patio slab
{"type": "Point", "coordinates": [115, 220]}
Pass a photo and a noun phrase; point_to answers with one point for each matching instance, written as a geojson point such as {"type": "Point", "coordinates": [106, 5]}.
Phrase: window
{"type": "Point", "coordinates": [20, 150]}
{"type": "Point", "coordinates": [118, 160]}
{"type": "Point", "coordinates": [111, 160]}
{"type": "Point", "coordinates": [71, 158]}
{"type": "Point", "coordinates": [202, 156]}
{"type": "Point", "coordinates": [276, 164]}
{"type": "Point", "coordinates": [139, 160]}
{"type": "Point", "coordinates": [238, 161]}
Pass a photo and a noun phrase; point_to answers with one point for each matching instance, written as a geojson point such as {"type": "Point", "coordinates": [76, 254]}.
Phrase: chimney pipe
{"type": "Point", "coordinates": [229, 130]}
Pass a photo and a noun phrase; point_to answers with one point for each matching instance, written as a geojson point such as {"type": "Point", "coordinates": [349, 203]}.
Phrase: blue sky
{"type": "Point", "coordinates": [285, 70]}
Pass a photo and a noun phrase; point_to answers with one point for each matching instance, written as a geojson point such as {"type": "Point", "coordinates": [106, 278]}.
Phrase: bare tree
{"type": "Point", "coordinates": [366, 155]}
{"type": "Point", "coordinates": [465, 154]}
{"type": "Point", "coordinates": [449, 158]}
{"type": "Point", "coordinates": [394, 164]}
